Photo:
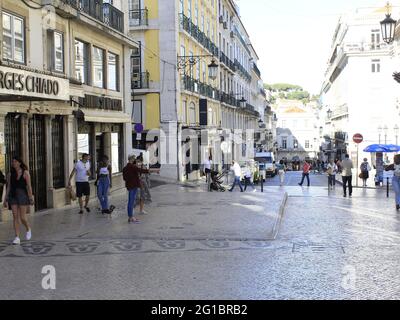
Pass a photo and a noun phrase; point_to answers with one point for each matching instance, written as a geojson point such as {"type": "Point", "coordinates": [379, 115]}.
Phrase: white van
{"type": "Point", "coordinates": [266, 161]}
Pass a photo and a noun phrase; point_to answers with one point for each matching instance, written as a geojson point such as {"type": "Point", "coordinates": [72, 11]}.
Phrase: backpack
{"type": "Point", "coordinates": [364, 167]}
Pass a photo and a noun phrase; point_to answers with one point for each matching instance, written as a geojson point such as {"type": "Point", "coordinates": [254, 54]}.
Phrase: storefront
{"type": "Point", "coordinates": [34, 111]}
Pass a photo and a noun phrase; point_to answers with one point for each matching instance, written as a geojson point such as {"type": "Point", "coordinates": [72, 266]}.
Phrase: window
{"type": "Point", "coordinates": [81, 62]}
{"type": "Point", "coordinates": [13, 38]}
{"type": "Point", "coordinates": [115, 152]}
{"type": "Point", "coordinates": [98, 67]}
{"type": "Point", "coordinates": [192, 113]}
{"type": "Point", "coordinates": [181, 7]}
{"type": "Point", "coordinates": [137, 111]}
{"type": "Point", "coordinates": [55, 51]}
{"type": "Point", "coordinates": [295, 144]}
{"type": "Point", "coordinates": [375, 39]}
{"type": "Point", "coordinates": [307, 144]}
{"type": "Point", "coordinates": [190, 9]}
{"type": "Point", "coordinates": [136, 62]}
{"type": "Point", "coordinates": [284, 143]}
{"type": "Point", "coordinates": [376, 66]}
{"type": "Point", "coordinates": [112, 71]}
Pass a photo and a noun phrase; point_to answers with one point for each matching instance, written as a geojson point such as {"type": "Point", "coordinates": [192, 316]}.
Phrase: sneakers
{"type": "Point", "coordinates": [143, 212]}
{"type": "Point", "coordinates": [81, 211]}
{"type": "Point", "coordinates": [87, 209]}
{"type": "Point", "coordinates": [17, 241]}
{"type": "Point", "coordinates": [29, 235]}
{"type": "Point", "coordinates": [254, 190]}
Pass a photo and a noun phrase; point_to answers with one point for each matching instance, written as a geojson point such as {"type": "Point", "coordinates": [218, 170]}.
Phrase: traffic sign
{"type": "Point", "coordinates": [358, 138]}
{"type": "Point", "coordinates": [139, 128]}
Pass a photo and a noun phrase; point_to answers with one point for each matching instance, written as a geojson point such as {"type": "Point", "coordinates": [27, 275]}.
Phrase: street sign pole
{"type": "Point", "coordinates": [357, 178]}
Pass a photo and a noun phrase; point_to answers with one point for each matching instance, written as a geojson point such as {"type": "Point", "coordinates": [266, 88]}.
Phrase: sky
{"type": "Point", "coordinates": [293, 37]}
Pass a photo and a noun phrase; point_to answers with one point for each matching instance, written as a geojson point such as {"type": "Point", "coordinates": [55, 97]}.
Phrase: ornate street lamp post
{"type": "Point", "coordinates": [396, 133]}
{"type": "Point", "coordinates": [380, 129]}
{"type": "Point", "coordinates": [190, 61]}
{"type": "Point", "coordinates": [385, 130]}
{"type": "Point", "coordinates": [388, 27]}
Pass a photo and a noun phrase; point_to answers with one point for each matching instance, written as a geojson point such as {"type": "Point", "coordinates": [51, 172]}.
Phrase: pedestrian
{"type": "Point", "coordinates": [104, 184]}
{"type": "Point", "coordinates": [132, 181]}
{"type": "Point", "coordinates": [347, 175]}
{"type": "Point", "coordinates": [82, 172]}
{"type": "Point", "coordinates": [143, 195]}
{"type": "Point", "coordinates": [332, 170]}
{"type": "Point", "coordinates": [396, 178]}
{"type": "Point", "coordinates": [365, 168]}
{"type": "Point", "coordinates": [3, 182]}
{"type": "Point", "coordinates": [207, 169]}
{"type": "Point", "coordinates": [238, 174]}
{"type": "Point", "coordinates": [248, 178]}
{"type": "Point", "coordinates": [306, 173]}
{"type": "Point", "coordinates": [281, 172]}
{"type": "Point", "coordinates": [19, 197]}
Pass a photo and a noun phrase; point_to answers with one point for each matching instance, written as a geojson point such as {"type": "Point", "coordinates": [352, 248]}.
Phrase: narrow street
{"type": "Point", "coordinates": [197, 245]}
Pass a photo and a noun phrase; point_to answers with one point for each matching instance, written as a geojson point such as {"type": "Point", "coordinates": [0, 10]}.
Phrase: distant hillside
{"type": "Point", "coordinates": [290, 92]}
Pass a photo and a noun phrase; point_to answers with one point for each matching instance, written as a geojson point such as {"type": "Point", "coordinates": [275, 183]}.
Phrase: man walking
{"type": "Point", "coordinates": [306, 174]}
{"type": "Point", "coordinates": [82, 171]}
{"type": "Point", "coordinates": [238, 173]}
{"type": "Point", "coordinates": [248, 179]}
{"type": "Point", "coordinates": [332, 170]}
{"type": "Point", "coordinates": [347, 175]}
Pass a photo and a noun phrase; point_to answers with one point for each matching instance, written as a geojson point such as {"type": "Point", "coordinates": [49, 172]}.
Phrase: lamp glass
{"type": "Point", "coordinates": [212, 70]}
{"type": "Point", "coordinates": [388, 27]}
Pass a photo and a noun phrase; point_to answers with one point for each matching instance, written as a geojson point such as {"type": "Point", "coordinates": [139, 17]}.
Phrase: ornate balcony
{"type": "Point", "coordinates": [139, 18]}
{"type": "Point", "coordinates": [140, 80]}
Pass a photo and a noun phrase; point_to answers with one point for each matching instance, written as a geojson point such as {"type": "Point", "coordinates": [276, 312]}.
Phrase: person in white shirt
{"type": "Point", "coordinates": [248, 179]}
{"type": "Point", "coordinates": [396, 178]}
{"type": "Point", "coordinates": [347, 175]}
{"type": "Point", "coordinates": [82, 171]}
{"type": "Point", "coordinates": [207, 168]}
{"type": "Point", "coordinates": [238, 174]}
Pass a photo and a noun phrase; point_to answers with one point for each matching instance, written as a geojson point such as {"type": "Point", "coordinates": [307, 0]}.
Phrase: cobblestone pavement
{"type": "Point", "coordinates": [197, 245]}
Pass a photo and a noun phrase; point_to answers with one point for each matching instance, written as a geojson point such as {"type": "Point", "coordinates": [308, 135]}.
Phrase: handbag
{"type": "Point", "coordinates": [361, 176]}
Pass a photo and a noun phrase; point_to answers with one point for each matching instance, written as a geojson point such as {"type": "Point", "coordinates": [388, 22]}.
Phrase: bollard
{"type": "Point", "coordinates": [387, 187]}
{"type": "Point", "coordinates": [262, 183]}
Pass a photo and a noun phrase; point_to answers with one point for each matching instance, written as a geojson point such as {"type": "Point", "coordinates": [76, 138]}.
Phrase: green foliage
{"type": "Point", "coordinates": [278, 87]}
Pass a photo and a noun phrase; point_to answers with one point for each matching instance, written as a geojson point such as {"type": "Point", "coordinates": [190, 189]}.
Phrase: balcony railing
{"type": "Point", "coordinates": [103, 12]}
{"type": "Point", "coordinates": [139, 17]}
{"type": "Point", "coordinates": [140, 80]}
{"type": "Point", "coordinates": [256, 70]}
{"type": "Point", "coordinates": [196, 33]}
{"type": "Point", "coordinates": [242, 70]}
{"type": "Point", "coordinates": [201, 88]}
{"type": "Point", "coordinates": [228, 62]}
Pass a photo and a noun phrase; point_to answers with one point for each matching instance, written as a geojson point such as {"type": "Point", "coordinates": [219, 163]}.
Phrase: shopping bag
{"type": "Point", "coordinates": [71, 194]}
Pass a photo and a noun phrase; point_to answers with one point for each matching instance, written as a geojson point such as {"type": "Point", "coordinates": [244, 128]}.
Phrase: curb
{"type": "Point", "coordinates": [281, 212]}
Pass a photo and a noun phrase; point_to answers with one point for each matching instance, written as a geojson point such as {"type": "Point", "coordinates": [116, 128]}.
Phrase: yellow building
{"type": "Point", "coordinates": [172, 87]}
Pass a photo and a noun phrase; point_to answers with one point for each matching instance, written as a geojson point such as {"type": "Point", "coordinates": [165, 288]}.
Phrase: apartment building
{"type": "Point", "coordinates": [172, 88]}
{"type": "Point", "coordinates": [65, 89]}
{"type": "Point", "coordinates": [359, 93]}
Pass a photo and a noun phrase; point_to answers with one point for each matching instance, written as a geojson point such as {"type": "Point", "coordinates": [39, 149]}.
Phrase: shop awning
{"type": "Point", "coordinates": [106, 116]}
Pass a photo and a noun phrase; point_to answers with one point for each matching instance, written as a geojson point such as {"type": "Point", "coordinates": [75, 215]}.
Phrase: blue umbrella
{"type": "Point", "coordinates": [386, 148]}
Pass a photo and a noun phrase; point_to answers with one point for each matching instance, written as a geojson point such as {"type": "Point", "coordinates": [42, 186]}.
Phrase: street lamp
{"type": "Point", "coordinates": [242, 102]}
{"type": "Point", "coordinates": [329, 113]}
{"type": "Point", "coordinates": [380, 133]}
{"type": "Point", "coordinates": [388, 27]}
{"type": "Point", "coordinates": [396, 133]}
{"type": "Point", "coordinates": [190, 61]}
{"type": "Point", "coordinates": [385, 130]}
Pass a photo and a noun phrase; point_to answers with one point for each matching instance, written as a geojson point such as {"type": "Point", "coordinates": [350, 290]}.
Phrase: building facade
{"type": "Point", "coordinates": [297, 131]}
{"type": "Point", "coordinates": [359, 93]}
{"type": "Point", "coordinates": [65, 90]}
{"type": "Point", "coordinates": [194, 112]}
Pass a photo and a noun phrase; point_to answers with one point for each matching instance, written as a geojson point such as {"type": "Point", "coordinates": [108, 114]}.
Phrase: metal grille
{"type": "Point", "coordinates": [37, 160]}
{"type": "Point", "coordinates": [12, 138]}
{"type": "Point", "coordinates": [57, 132]}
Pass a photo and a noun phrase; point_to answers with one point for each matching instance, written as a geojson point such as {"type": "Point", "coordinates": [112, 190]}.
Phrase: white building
{"type": "Point", "coordinates": [359, 93]}
{"type": "Point", "coordinates": [297, 131]}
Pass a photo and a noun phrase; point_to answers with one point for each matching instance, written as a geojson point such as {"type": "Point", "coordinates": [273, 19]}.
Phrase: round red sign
{"type": "Point", "coordinates": [358, 138]}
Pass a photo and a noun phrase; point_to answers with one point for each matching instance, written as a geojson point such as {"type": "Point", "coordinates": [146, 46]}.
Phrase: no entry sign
{"type": "Point", "coordinates": [358, 138]}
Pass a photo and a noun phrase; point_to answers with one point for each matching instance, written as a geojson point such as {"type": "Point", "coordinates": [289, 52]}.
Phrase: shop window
{"type": "Point", "coordinates": [116, 152]}
{"type": "Point", "coordinates": [98, 67]}
{"type": "Point", "coordinates": [13, 38]}
{"type": "Point", "coordinates": [57, 130]}
{"type": "Point", "coordinates": [83, 144]}
{"type": "Point", "coordinates": [81, 62]}
{"type": "Point", "coordinates": [112, 72]}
